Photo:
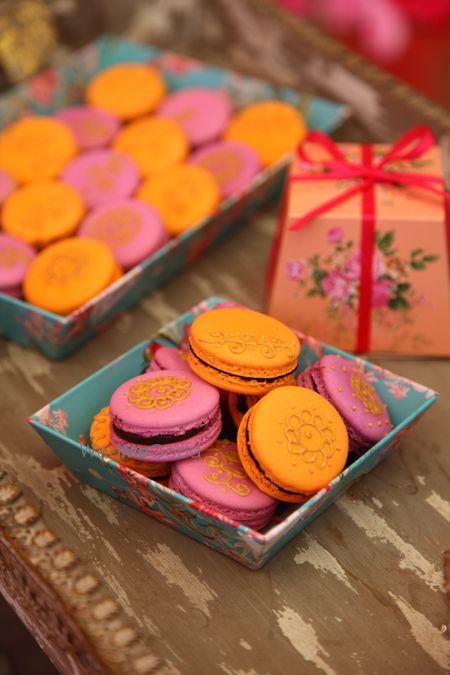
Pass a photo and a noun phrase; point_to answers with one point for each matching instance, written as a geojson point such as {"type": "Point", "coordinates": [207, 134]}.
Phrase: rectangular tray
{"type": "Point", "coordinates": [44, 94]}
{"type": "Point", "coordinates": [64, 425]}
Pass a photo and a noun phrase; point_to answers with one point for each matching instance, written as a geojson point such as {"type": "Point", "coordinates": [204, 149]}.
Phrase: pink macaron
{"type": "Point", "coordinates": [168, 358]}
{"type": "Point", "coordinates": [345, 385]}
{"type": "Point", "coordinates": [101, 176]}
{"type": "Point", "coordinates": [232, 164]}
{"type": "Point", "coordinates": [217, 479]}
{"type": "Point", "coordinates": [164, 416]}
{"type": "Point", "coordinates": [132, 229]}
{"type": "Point", "coordinates": [202, 113]}
{"type": "Point", "coordinates": [92, 128]}
{"type": "Point", "coordinates": [7, 185]}
{"type": "Point", "coordinates": [15, 258]}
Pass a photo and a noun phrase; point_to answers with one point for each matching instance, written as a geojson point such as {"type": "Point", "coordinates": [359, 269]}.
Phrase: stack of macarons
{"type": "Point", "coordinates": [128, 168]}
{"type": "Point", "coordinates": [293, 432]}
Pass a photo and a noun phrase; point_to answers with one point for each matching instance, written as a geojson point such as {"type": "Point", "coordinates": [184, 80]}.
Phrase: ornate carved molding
{"type": "Point", "coordinates": [61, 600]}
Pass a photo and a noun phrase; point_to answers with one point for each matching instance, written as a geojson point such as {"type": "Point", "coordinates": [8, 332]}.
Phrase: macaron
{"type": "Point", "coordinates": [202, 113]}
{"type": "Point", "coordinates": [344, 384]}
{"type": "Point", "coordinates": [101, 442]}
{"type": "Point", "coordinates": [154, 143]}
{"type": "Point", "coordinates": [91, 127]}
{"type": "Point", "coordinates": [15, 258]}
{"type": "Point", "coordinates": [183, 195]}
{"type": "Point", "coordinates": [68, 273]}
{"type": "Point", "coordinates": [272, 128]}
{"type": "Point", "coordinates": [36, 148]}
{"type": "Point", "coordinates": [292, 443]}
{"type": "Point", "coordinates": [217, 479]}
{"type": "Point", "coordinates": [132, 229]}
{"type": "Point", "coordinates": [233, 165]}
{"type": "Point", "coordinates": [101, 176]}
{"type": "Point", "coordinates": [238, 404]}
{"type": "Point", "coordinates": [7, 185]}
{"type": "Point", "coordinates": [127, 90]}
{"type": "Point", "coordinates": [164, 416]}
{"type": "Point", "coordinates": [42, 212]}
{"type": "Point", "coordinates": [243, 351]}
{"type": "Point", "coordinates": [168, 358]}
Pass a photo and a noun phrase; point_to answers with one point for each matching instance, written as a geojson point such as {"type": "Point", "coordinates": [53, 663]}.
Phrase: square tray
{"type": "Point", "coordinates": [44, 94]}
{"type": "Point", "coordinates": [64, 425]}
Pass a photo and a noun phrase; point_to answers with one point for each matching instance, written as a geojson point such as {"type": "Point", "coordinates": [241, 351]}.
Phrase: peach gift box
{"type": "Point", "coordinates": [314, 274]}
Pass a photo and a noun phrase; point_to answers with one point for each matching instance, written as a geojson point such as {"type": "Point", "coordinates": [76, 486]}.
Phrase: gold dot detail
{"type": "Point", "coordinates": [339, 388]}
{"type": "Point", "coordinates": [378, 423]}
{"type": "Point", "coordinates": [332, 367]}
{"type": "Point", "coordinates": [311, 471]}
{"type": "Point", "coordinates": [370, 425]}
{"type": "Point", "coordinates": [344, 369]}
{"type": "Point", "coordinates": [353, 407]}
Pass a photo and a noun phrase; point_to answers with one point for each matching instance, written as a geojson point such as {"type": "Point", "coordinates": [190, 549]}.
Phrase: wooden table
{"type": "Point", "coordinates": [104, 588]}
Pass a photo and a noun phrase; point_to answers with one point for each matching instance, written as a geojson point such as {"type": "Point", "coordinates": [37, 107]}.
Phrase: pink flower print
{"type": "Point", "coordinates": [295, 269]}
{"type": "Point", "coordinates": [397, 390]}
{"type": "Point", "coordinates": [353, 266]}
{"type": "Point", "coordinates": [337, 286]}
{"type": "Point", "coordinates": [381, 293]}
{"type": "Point", "coordinates": [335, 234]}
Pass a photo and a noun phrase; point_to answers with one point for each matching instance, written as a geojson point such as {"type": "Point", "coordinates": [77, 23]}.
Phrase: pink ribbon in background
{"type": "Point", "coordinates": [412, 145]}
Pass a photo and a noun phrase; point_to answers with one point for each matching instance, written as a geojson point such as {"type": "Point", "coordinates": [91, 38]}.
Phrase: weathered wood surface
{"type": "Point", "coordinates": [359, 592]}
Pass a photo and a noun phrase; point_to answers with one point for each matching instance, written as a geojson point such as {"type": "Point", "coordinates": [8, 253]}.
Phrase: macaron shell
{"type": "Point", "coordinates": [101, 176]}
{"type": "Point", "coordinates": [174, 450]}
{"type": "Point", "coordinates": [183, 196]}
{"type": "Point", "coordinates": [36, 148]}
{"type": "Point", "coordinates": [168, 358]}
{"type": "Point", "coordinates": [7, 185]}
{"type": "Point", "coordinates": [101, 442]}
{"type": "Point", "coordinates": [154, 143]}
{"type": "Point", "coordinates": [132, 229]}
{"type": "Point", "coordinates": [272, 128]}
{"type": "Point", "coordinates": [355, 397]}
{"type": "Point", "coordinates": [91, 127]}
{"type": "Point", "coordinates": [42, 212]}
{"type": "Point", "coordinates": [233, 165]}
{"type": "Point", "coordinates": [15, 258]}
{"type": "Point", "coordinates": [68, 273]}
{"type": "Point", "coordinates": [169, 402]}
{"type": "Point", "coordinates": [202, 113]}
{"type": "Point", "coordinates": [244, 342]}
{"type": "Point", "coordinates": [127, 90]}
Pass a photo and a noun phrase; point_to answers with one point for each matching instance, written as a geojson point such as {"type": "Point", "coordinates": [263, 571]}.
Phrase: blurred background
{"type": "Point", "coordinates": [408, 38]}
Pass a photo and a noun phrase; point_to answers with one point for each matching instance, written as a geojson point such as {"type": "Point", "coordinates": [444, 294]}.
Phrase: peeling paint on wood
{"type": "Point", "coordinates": [321, 559]}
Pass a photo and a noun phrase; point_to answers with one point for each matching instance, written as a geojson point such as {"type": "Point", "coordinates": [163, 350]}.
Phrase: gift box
{"type": "Point", "coordinates": [361, 256]}
{"type": "Point", "coordinates": [64, 424]}
{"type": "Point", "coordinates": [53, 89]}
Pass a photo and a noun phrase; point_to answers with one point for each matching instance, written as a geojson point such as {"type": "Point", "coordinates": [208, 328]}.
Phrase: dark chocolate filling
{"type": "Point", "coordinates": [162, 439]}
{"type": "Point", "coordinates": [241, 403]}
{"type": "Point", "coordinates": [261, 470]}
{"type": "Point", "coordinates": [244, 377]}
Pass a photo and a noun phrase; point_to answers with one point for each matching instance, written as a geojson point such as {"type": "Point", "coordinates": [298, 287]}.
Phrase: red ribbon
{"type": "Point", "coordinates": [413, 144]}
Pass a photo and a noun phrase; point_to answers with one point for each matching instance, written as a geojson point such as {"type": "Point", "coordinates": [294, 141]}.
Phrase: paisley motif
{"type": "Point", "coordinates": [228, 470]}
{"type": "Point", "coordinates": [159, 393]}
{"type": "Point", "coordinates": [268, 347]}
{"type": "Point", "coordinates": [366, 394]}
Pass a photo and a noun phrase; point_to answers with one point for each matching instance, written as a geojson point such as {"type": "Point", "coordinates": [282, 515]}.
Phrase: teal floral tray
{"type": "Point", "coordinates": [57, 336]}
{"type": "Point", "coordinates": [64, 425]}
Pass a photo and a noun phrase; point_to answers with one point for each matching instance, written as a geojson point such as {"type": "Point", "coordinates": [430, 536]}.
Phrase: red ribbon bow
{"type": "Point", "coordinates": [413, 144]}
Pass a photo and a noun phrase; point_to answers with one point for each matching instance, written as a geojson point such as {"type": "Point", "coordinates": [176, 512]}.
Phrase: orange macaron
{"type": "Point", "coordinates": [183, 196]}
{"type": "Point", "coordinates": [36, 148]}
{"type": "Point", "coordinates": [292, 443]}
{"type": "Point", "coordinates": [68, 273]}
{"type": "Point", "coordinates": [100, 439]}
{"type": "Point", "coordinates": [271, 128]}
{"type": "Point", "coordinates": [243, 351]}
{"type": "Point", "coordinates": [154, 143]}
{"type": "Point", "coordinates": [42, 212]}
{"type": "Point", "coordinates": [127, 90]}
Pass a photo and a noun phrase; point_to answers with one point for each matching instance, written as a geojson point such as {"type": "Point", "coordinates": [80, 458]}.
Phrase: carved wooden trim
{"type": "Point", "coordinates": [61, 601]}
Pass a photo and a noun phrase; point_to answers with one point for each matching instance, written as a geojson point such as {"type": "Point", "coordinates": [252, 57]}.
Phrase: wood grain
{"type": "Point", "coordinates": [362, 590]}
